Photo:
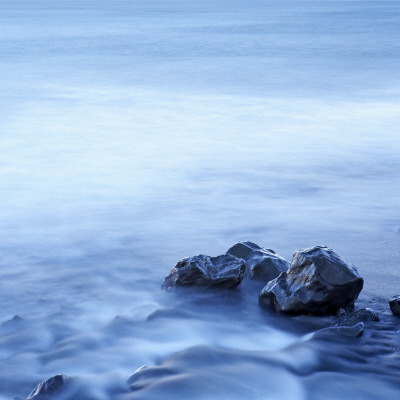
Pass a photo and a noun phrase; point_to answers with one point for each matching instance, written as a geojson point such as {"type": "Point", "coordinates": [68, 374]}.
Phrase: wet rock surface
{"type": "Point", "coordinates": [354, 331]}
{"type": "Point", "coordinates": [317, 282]}
{"type": "Point", "coordinates": [261, 264]}
{"type": "Point", "coordinates": [50, 388]}
{"type": "Point", "coordinates": [226, 271]}
{"type": "Point", "coordinates": [363, 315]}
{"type": "Point", "coordinates": [395, 305]}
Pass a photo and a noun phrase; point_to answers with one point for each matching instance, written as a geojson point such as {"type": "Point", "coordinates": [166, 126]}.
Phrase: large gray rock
{"type": "Point", "coordinates": [261, 264]}
{"type": "Point", "coordinates": [49, 388]}
{"type": "Point", "coordinates": [224, 271]}
{"type": "Point", "coordinates": [395, 305]}
{"type": "Point", "coordinates": [317, 282]}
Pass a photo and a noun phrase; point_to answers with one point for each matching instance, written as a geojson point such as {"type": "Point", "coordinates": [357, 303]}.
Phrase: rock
{"type": "Point", "coordinates": [362, 315]}
{"type": "Point", "coordinates": [12, 325]}
{"type": "Point", "coordinates": [224, 271]}
{"type": "Point", "coordinates": [354, 331]}
{"type": "Point", "coordinates": [395, 305]}
{"type": "Point", "coordinates": [50, 387]}
{"type": "Point", "coordinates": [138, 379]}
{"type": "Point", "coordinates": [341, 312]}
{"type": "Point", "coordinates": [14, 320]}
{"type": "Point", "coordinates": [317, 282]}
{"type": "Point", "coordinates": [261, 264]}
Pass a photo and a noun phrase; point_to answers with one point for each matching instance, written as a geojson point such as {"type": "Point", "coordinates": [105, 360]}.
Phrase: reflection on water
{"type": "Point", "coordinates": [134, 134]}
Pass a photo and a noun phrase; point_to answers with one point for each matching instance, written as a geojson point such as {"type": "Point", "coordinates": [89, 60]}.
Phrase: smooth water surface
{"type": "Point", "coordinates": [135, 133]}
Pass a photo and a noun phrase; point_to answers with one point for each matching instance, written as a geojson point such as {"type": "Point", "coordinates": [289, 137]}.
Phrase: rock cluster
{"type": "Point", "coordinates": [317, 281]}
{"type": "Point", "coordinates": [244, 259]}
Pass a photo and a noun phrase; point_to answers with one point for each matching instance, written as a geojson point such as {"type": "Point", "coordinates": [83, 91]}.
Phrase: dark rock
{"type": "Point", "coordinates": [354, 331]}
{"type": "Point", "coordinates": [261, 264]}
{"type": "Point", "coordinates": [395, 305]}
{"type": "Point", "coordinates": [363, 315]}
{"type": "Point", "coordinates": [50, 387]}
{"type": "Point", "coordinates": [224, 271]}
{"type": "Point", "coordinates": [317, 282]}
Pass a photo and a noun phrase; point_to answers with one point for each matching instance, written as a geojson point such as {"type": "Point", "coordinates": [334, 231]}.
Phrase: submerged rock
{"type": "Point", "coordinates": [50, 387]}
{"type": "Point", "coordinates": [317, 282]}
{"type": "Point", "coordinates": [354, 331]}
{"type": "Point", "coordinates": [224, 271]}
{"type": "Point", "coordinates": [261, 264]}
{"type": "Point", "coordinates": [395, 305]}
{"type": "Point", "coordinates": [12, 325]}
{"type": "Point", "coordinates": [341, 312]}
{"type": "Point", "coordinates": [363, 315]}
{"type": "Point", "coordinates": [138, 380]}
{"type": "Point", "coordinates": [14, 320]}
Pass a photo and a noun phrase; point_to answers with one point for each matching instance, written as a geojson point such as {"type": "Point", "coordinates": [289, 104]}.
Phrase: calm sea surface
{"type": "Point", "coordinates": [135, 133]}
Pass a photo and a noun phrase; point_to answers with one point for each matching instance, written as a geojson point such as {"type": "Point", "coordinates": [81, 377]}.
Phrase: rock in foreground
{"type": "Point", "coordinates": [224, 271]}
{"type": "Point", "coordinates": [317, 282]}
{"type": "Point", "coordinates": [261, 264]}
{"type": "Point", "coordinates": [48, 388]}
{"type": "Point", "coordinates": [395, 305]}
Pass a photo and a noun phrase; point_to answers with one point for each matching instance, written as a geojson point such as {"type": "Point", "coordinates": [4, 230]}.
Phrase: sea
{"type": "Point", "coordinates": [134, 133]}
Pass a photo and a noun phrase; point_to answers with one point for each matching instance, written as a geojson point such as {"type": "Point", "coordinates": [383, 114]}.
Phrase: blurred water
{"type": "Point", "coordinates": [134, 133]}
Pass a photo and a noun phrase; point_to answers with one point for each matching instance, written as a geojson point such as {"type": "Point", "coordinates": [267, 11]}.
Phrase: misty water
{"type": "Point", "coordinates": [136, 133]}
